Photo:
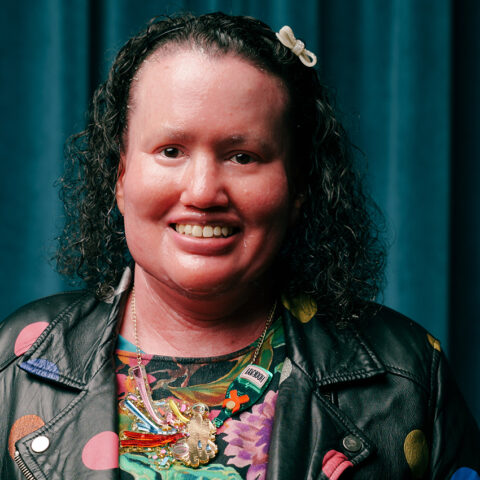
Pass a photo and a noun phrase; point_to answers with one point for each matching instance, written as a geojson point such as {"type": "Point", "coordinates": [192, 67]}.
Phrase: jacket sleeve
{"type": "Point", "coordinates": [455, 450]}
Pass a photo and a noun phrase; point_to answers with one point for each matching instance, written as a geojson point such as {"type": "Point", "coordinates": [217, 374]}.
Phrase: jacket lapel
{"type": "Point", "coordinates": [74, 358]}
{"type": "Point", "coordinates": [312, 438]}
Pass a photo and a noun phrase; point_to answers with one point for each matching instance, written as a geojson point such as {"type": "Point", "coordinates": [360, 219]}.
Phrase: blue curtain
{"type": "Point", "coordinates": [407, 78]}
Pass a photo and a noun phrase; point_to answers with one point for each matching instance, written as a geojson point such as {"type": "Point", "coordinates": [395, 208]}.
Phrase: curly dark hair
{"type": "Point", "coordinates": [334, 253]}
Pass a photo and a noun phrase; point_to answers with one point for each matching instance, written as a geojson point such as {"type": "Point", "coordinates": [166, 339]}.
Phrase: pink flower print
{"type": "Point", "coordinates": [248, 438]}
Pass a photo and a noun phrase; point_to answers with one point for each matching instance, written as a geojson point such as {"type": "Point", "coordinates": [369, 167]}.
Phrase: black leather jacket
{"type": "Point", "coordinates": [360, 402]}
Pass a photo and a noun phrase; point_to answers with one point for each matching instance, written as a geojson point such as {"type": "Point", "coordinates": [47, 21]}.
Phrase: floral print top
{"type": "Point", "coordinates": [243, 440]}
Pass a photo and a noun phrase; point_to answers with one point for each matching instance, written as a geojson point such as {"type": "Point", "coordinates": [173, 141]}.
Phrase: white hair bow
{"type": "Point", "coordinates": [286, 36]}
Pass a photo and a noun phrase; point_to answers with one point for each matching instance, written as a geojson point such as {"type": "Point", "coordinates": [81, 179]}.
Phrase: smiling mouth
{"type": "Point", "coordinates": [203, 231]}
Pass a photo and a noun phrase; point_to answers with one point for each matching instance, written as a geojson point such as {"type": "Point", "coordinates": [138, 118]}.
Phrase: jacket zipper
{"type": "Point", "coordinates": [23, 468]}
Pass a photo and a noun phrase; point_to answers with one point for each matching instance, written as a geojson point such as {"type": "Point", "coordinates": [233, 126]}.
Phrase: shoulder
{"type": "Point", "coordinates": [22, 328]}
{"type": "Point", "coordinates": [379, 341]}
{"type": "Point", "coordinates": [402, 345]}
{"type": "Point", "coordinates": [379, 320]}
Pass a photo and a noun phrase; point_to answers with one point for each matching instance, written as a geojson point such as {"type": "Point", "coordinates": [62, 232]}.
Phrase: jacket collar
{"type": "Point", "coordinates": [82, 337]}
{"type": "Point", "coordinates": [79, 339]}
{"type": "Point", "coordinates": [329, 354]}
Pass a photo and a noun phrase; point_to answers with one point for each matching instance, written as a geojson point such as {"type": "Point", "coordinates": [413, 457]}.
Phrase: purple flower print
{"type": "Point", "coordinates": [248, 438]}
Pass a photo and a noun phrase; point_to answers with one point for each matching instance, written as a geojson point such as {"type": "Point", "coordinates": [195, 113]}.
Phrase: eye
{"type": "Point", "coordinates": [242, 158]}
{"type": "Point", "coordinates": [171, 152]}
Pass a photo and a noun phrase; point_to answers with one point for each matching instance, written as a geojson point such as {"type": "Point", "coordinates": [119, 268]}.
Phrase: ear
{"type": "Point", "coordinates": [119, 186]}
{"type": "Point", "coordinates": [296, 206]}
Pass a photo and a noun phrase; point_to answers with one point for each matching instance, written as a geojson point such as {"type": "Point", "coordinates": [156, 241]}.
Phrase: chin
{"type": "Point", "coordinates": [205, 286]}
{"type": "Point", "coordinates": [205, 289]}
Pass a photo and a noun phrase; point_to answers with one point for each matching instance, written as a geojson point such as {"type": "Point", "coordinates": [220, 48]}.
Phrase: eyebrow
{"type": "Point", "coordinates": [177, 134]}
{"type": "Point", "coordinates": [235, 140]}
{"type": "Point", "coordinates": [230, 141]}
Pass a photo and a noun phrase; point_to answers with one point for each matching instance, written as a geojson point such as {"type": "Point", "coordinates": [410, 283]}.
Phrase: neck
{"type": "Point", "coordinates": [176, 325]}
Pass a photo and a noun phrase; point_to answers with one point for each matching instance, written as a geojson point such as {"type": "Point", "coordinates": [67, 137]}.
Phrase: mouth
{"type": "Point", "coordinates": [204, 231]}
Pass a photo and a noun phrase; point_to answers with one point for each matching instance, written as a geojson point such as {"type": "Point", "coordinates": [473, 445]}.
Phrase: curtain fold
{"type": "Point", "coordinates": [406, 73]}
{"type": "Point", "coordinates": [464, 325]}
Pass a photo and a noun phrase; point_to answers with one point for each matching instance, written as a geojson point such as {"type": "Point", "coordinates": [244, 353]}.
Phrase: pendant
{"type": "Point", "coordinates": [243, 392]}
{"type": "Point", "coordinates": [167, 430]}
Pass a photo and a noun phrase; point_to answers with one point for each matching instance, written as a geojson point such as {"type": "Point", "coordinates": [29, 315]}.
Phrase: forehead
{"type": "Point", "coordinates": [179, 66]}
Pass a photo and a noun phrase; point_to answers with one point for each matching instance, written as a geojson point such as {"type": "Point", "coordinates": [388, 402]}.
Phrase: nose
{"type": "Point", "coordinates": [204, 183]}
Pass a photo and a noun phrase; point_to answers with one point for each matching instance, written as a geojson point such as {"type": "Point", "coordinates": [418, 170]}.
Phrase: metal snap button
{"type": "Point", "coordinates": [352, 443]}
{"type": "Point", "coordinates": [40, 444]}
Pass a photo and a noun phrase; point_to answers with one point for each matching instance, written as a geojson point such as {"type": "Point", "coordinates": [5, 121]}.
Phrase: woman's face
{"type": "Point", "coordinates": [203, 183]}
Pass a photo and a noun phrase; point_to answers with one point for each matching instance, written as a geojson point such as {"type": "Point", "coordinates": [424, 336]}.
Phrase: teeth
{"type": "Point", "coordinates": [207, 231]}
{"type": "Point", "coordinates": [197, 231]}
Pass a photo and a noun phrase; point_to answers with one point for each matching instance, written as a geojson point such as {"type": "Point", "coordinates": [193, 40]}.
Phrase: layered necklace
{"type": "Point", "coordinates": [173, 431]}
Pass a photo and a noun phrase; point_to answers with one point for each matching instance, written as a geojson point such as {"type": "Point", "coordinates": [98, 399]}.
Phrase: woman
{"type": "Point", "coordinates": [214, 210]}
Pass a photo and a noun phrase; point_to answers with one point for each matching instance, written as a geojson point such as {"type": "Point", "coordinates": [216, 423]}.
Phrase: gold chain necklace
{"type": "Point", "coordinates": [171, 431]}
{"type": "Point", "coordinates": [260, 340]}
